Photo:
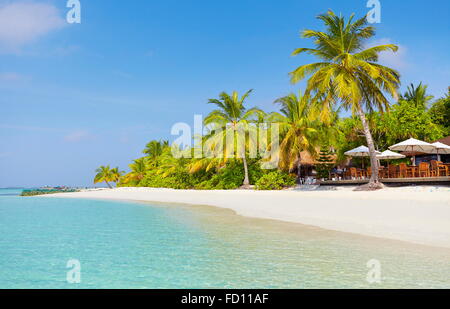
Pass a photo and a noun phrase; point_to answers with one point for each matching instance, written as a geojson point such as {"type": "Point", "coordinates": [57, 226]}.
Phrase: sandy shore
{"type": "Point", "coordinates": [415, 214]}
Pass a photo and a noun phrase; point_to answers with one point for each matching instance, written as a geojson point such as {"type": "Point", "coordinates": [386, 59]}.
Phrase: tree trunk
{"type": "Point", "coordinates": [299, 170]}
{"type": "Point", "coordinates": [108, 185]}
{"type": "Point", "coordinates": [246, 178]}
{"type": "Point", "coordinates": [374, 183]}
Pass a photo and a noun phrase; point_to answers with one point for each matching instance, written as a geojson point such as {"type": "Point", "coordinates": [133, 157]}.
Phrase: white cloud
{"type": "Point", "coordinates": [395, 60]}
{"type": "Point", "coordinates": [24, 22]}
{"type": "Point", "coordinates": [78, 136]}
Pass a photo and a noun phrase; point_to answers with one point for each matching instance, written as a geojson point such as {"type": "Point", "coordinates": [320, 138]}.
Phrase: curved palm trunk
{"type": "Point", "coordinates": [246, 178]}
{"type": "Point", "coordinates": [374, 179]}
{"type": "Point", "coordinates": [108, 185]}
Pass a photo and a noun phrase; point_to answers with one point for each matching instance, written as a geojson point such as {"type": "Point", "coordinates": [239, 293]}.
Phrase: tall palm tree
{"type": "Point", "coordinates": [104, 174]}
{"type": "Point", "coordinates": [230, 117]}
{"type": "Point", "coordinates": [348, 73]}
{"type": "Point", "coordinates": [418, 96]}
{"type": "Point", "coordinates": [155, 148]}
{"type": "Point", "coordinates": [299, 127]}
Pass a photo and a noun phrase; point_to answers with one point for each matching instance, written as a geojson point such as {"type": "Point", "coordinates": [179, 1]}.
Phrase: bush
{"type": "Point", "coordinates": [231, 176]}
{"type": "Point", "coordinates": [179, 180]}
{"type": "Point", "coordinates": [275, 181]}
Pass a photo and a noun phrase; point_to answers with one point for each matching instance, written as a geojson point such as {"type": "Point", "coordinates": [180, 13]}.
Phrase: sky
{"type": "Point", "coordinates": [74, 96]}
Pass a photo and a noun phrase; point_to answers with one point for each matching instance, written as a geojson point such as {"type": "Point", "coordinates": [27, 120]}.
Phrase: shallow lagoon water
{"type": "Point", "coordinates": [139, 245]}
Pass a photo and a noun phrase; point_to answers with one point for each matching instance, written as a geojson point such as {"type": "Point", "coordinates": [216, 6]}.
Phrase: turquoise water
{"type": "Point", "coordinates": [132, 245]}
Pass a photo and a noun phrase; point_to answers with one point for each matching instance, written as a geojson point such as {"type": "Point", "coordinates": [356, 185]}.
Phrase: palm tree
{"type": "Point", "coordinates": [418, 96]}
{"type": "Point", "coordinates": [230, 117]}
{"type": "Point", "coordinates": [155, 148]}
{"type": "Point", "coordinates": [138, 170]}
{"type": "Point", "coordinates": [299, 127]}
{"type": "Point", "coordinates": [116, 174]}
{"type": "Point", "coordinates": [347, 73]}
{"type": "Point", "coordinates": [104, 174]}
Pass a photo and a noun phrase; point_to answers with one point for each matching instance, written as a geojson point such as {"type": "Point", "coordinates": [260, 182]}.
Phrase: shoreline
{"type": "Point", "coordinates": [419, 215]}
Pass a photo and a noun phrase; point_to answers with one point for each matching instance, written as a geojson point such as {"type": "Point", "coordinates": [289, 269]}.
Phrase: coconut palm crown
{"type": "Point", "coordinates": [348, 73]}
{"type": "Point", "coordinates": [104, 174]}
{"type": "Point", "coordinates": [230, 116]}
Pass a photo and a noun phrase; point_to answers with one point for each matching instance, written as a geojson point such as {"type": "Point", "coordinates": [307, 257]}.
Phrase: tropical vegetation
{"type": "Point", "coordinates": [348, 73]}
{"type": "Point", "coordinates": [344, 105]}
{"type": "Point", "coordinates": [107, 175]}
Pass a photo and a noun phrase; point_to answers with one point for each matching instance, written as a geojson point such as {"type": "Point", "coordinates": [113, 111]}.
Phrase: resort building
{"type": "Point", "coordinates": [445, 158]}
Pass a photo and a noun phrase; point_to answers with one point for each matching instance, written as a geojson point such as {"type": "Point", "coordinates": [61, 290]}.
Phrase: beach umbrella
{"type": "Point", "coordinates": [361, 151]}
{"type": "Point", "coordinates": [440, 149]}
{"type": "Point", "coordinates": [390, 155]}
{"type": "Point", "coordinates": [415, 146]}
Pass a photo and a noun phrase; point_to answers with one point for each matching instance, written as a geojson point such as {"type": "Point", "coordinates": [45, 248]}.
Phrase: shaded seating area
{"type": "Point", "coordinates": [424, 170]}
{"type": "Point", "coordinates": [407, 168]}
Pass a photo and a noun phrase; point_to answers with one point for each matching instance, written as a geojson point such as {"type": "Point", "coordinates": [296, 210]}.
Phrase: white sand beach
{"type": "Point", "coordinates": [414, 214]}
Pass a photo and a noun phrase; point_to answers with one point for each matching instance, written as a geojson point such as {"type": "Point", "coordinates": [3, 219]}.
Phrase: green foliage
{"type": "Point", "coordinates": [405, 120]}
{"type": "Point", "coordinates": [231, 110]}
{"type": "Point", "coordinates": [325, 162]}
{"type": "Point", "coordinates": [178, 180]}
{"type": "Point", "coordinates": [440, 114]}
{"type": "Point", "coordinates": [347, 72]}
{"type": "Point", "coordinates": [37, 192]}
{"type": "Point", "coordinates": [231, 176]}
{"type": "Point", "coordinates": [107, 175]}
{"type": "Point", "coordinates": [300, 126]}
{"type": "Point", "coordinates": [275, 181]}
{"type": "Point", "coordinates": [155, 148]}
{"type": "Point", "coordinates": [347, 76]}
{"type": "Point", "coordinates": [417, 96]}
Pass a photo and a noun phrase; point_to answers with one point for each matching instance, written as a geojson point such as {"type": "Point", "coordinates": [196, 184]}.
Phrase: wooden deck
{"type": "Point", "coordinates": [430, 180]}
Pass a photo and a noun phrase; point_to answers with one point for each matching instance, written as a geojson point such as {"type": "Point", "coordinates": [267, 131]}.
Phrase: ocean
{"type": "Point", "coordinates": [72, 244]}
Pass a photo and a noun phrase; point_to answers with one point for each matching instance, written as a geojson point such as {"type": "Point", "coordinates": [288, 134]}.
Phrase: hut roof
{"type": "Point", "coordinates": [445, 140]}
{"type": "Point", "coordinates": [308, 159]}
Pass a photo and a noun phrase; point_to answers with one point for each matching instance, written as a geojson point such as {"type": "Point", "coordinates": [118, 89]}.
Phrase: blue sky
{"type": "Point", "coordinates": [76, 96]}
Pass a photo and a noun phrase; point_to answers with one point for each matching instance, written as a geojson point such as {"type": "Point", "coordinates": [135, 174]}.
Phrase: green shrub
{"type": "Point", "coordinates": [178, 180]}
{"type": "Point", "coordinates": [227, 178]}
{"type": "Point", "coordinates": [275, 181]}
{"type": "Point", "coordinates": [325, 164]}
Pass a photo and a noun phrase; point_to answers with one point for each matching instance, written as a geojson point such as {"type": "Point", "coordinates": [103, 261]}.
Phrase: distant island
{"type": "Point", "coordinates": [45, 191]}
